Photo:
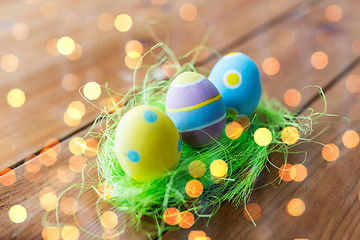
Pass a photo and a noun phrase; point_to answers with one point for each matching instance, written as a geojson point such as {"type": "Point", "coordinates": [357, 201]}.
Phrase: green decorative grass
{"type": "Point", "coordinates": [245, 159]}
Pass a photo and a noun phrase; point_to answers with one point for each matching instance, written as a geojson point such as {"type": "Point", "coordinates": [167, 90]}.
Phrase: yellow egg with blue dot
{"type": "Point", "coordinates": [147, 143]}
{"type": "Point", "coordinates": [237, 78]}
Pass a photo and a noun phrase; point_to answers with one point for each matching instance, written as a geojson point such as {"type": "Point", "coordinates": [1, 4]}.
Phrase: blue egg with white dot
{"type": "Point", "coordinates": [147, 143]}
{"type": "Point", "coordinates": [237, 78]}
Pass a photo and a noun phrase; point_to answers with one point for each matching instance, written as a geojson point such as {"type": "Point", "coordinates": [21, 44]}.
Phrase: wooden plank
{"type": "Point", "coordinates": [31, 186]}
{"type": "Point", "coordinates": [330, 190]}
{"type": "Point", "coordinates": [26, 129]}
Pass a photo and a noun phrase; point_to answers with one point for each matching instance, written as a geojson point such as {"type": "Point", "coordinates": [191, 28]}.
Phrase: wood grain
{"type": "Point", "coordinates": [26, 191]}
{"type": "Point", "coordinates": [330, 191]}
{"type": "Point", "coordinates": [331, 196]}
{"type": "Point", "coordinates": [39, 75]}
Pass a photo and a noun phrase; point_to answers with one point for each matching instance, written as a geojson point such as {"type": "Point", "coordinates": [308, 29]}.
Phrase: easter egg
{"type": "Point", "coordinates": [196, 107]}
{"type": "Point", "coordinates": [147, 143]}
{"type": "Point", "coordinates": [238, 80]}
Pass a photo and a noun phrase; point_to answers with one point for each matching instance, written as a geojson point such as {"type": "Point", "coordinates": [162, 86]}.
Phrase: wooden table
{"type": "Point", "coordinates": [294, 43]}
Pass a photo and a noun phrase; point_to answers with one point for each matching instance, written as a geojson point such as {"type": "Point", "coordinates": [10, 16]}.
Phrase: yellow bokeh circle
{"type": "Point", "coordinates": [16, 98]}
{"type": "Point", "coordinates": [17, 214]}
{"type": "Point", "coordinates": [290, 135]}
{"type": "Point", "coordinates": [92, 90]}
{"type": "Point", "coordinates": [219, 168]}
{"type": "Point", "coordinates": [262, 136]}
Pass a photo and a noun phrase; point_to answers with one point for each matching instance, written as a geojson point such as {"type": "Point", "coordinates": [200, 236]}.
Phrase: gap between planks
{"type": "Point", "coordinates": [251, 34]}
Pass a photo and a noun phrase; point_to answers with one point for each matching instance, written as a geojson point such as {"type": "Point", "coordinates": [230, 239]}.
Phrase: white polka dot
{"type": "Point", "coordinates": [232, 79]}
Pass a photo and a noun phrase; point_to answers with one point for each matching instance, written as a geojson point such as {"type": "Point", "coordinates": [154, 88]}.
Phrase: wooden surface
{"type": "Point", "coordinates": [290, 31]}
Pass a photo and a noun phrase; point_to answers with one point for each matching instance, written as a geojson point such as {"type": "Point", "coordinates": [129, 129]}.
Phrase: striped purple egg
{"type": "Point", "coordinates": [197, 109]}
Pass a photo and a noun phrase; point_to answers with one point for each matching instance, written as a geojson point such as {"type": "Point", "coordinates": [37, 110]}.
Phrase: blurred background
{"type": "Point", "coordinates": [55, 55]}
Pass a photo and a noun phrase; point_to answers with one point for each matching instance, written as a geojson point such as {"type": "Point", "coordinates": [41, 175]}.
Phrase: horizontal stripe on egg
{"type": "Point", "coordinates": [199, 117]}
{"type": "Point", "coordinates": [184, 109]}
{"type": "Point", "coordinates": [205, 125]}
{"type": "Point", "coordinates": [184, 95]}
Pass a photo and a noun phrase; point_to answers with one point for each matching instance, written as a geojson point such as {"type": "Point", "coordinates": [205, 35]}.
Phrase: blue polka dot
{"type": "Point", "coordinates": [150, 116]}
{"type": "Point", "coordinates": [179, 145]}
{"type": "Point", "coordinates": [133, 156]}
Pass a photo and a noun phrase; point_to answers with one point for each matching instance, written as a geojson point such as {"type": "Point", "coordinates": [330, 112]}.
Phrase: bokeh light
{"type": "Point", "coordinates": [65, 45]}
{"type": "Point", "coordinates": [202, 54]}
{"type": "Point", "coordinates": [76, 110]}
{"type": "Point", "coordinates": [77, 163]}
{"type": "Point", "coordinates": [262, 136]}
{"type": "Point", "coordinates": [290, 135]}
{"type": "Point", "coordinates": [171, 216]}
{"type": "Point", "coordinates": [77, 145]}
{"type": "Point", "coordinates": [133, 60]}
{"type": "Point", "coordinates": [32, 164]}
{"type": "Point", "coordinates": [271, 66]}
{"type": "Point", "coordinates": [186, 219]}
{"type": "Point", "coordinates": [105, 22]}
{"type": "Point", "coordinates": [48, 201]}
{"type": "Point", "coordinates": [91, 147]}
{"type": "Point", "coordinates": [356, 47]}
{"type": "Point", "coordinates": [134, 46]}
{"type": "Point", "coordinates": [20, 31]}
{"type": "Point", "coordinates": [110, 234]}
{"type": "Point", "coordinates": [105, 191]}
{"type": "Point", "coordinates": [330, 152]}
{"type": "Point", "coordinates": [64, 174]}
{"type": "Point", "coordinates": [292, 97]}
{"type": "Point", "coordinates": [243, 120]}
{"type": "Point", "coordinates": [354, 113]}
{"type": "Point", "coordinates": [112, 104]}
{"type": "Point", "coordinates": [109, 220]}
{"type": "Point", "coordinates": [51, 47]}
{"type": "Point", "coordinates": [70, 121]}
{"type": "Point", "coordinates": [9, 62]}
{"type": "Point", "coordinates": [298, 172]}
{"type": "Point", "coordinates": [7, 177]}
{"type": "Point", "coordinates": [218, 168]}
{"type": "Point", "coordinates": [32, 176]}
{"type": "Point", "coordinates": [77, 53]}
{"type": "Point", "coordinates": [170, 68]}
{"type": "Point", "coordinates": [194, 188]}
{"type": "Point", "coordinates": [188, 12]}
{"type": "Point", "coordinates": [197, 169]}
{"type": "Point", "coordinates": [50, 233]}
{"type": "Point", "coordinates": [17, 214]}
{"type": "Point", "coordinates": [353, 83]}
{"type": "Point", "coordinates": [233, 130]}
{"type": "Point", "coordinates": [333, 13]}
{"type": "Point", "coordinates": [52, 177]}
{"type": "Point", "coordinates": [350, 139]}
{"type": "Point", "coordinates": [16, 98]}
{"type": "Point", "coordinates": [53, 144]}
{"type": "Point", "coordinates": [48, 9]}
{"type": "Point", "coordinates": [252, 211]}
{"type": "Point", "coordinates": [123, 22]}
{"type": "Point", "coordinates": [92, 90]}
{"type": "Point", "coordinates": [319, 60]}
{"type": "Point", "coordinates": [68, 205]}
{"type": "Point", "coordinates": [284, 172]}
{"type": "Point", "coordinates": [197, 235]}
{"type": "Point", "coordinates": [47, 157]}
{"type": "Point", "coordinates": [70, 233]}
{"type": "Point", "coordinates": [295, 207]}
{"type": "Point", "coordinates": [46, 190]}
